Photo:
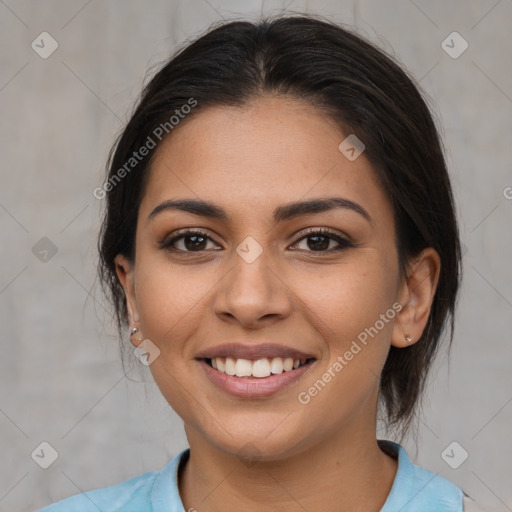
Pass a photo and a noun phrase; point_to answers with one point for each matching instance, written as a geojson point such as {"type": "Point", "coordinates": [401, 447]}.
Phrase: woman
{"type": "Point", "coordinates": [281, 242]}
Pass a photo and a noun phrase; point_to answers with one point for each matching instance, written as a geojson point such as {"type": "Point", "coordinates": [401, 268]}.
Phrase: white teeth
{"type": "Point", "coordinates": [260, 368]}
{"type": "Point", "coordinates": [288, 364]}
{"type": "Point", "coordinates": [230, 366]}
{"type": "Point", "coordinates": [243, 368]}
{"type": "Point", "coordinates": [277, 365]}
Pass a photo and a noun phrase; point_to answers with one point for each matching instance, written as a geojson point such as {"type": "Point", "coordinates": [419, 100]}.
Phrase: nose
{"type": "Point", "coordinates": [253, 294]}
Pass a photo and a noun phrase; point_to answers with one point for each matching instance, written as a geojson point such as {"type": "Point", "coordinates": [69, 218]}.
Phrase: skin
{"type": "Point", "coordinates": [249, 161]}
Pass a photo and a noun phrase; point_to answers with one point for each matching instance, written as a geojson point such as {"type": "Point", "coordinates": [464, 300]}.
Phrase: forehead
{"type": "Point", "coordinates": [271, 151]}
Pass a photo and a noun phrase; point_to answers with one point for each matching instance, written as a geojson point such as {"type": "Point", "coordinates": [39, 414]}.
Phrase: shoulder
{"type": "Point", "coordinates": [138, 494]}
{"type": "Point", "coordinates": [131, 495]}
{"type": "Point", "coordinates": [417, 489]}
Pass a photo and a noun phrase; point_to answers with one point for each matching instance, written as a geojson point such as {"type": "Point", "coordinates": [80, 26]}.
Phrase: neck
{"type": "Point", "coordinates": [333, 474]}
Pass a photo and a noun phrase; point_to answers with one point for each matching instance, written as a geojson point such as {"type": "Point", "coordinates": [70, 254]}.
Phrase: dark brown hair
{"type": "Point", "coordinates": [358, 86]}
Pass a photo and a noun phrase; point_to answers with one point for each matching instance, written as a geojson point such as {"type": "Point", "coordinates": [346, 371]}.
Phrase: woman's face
{"type": "Point", "coordinates": [249, 278]}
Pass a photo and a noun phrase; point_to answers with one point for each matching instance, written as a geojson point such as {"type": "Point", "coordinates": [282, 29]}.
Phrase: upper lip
{"type": "Point", "coordinates": [252, 352]}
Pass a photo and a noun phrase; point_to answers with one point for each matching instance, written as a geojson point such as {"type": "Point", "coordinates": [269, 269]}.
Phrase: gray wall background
{"type": "Point", "coordinates": [61, 380]}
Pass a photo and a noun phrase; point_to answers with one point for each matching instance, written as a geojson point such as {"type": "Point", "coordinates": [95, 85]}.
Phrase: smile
{"type": "Point", "coordinates": [244, 382]}
{"type": "Point", "coordinates": [260, 368]}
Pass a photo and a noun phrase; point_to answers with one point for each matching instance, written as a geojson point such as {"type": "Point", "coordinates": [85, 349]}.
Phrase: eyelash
{"type": "Point", "coordinates": [343, 242]}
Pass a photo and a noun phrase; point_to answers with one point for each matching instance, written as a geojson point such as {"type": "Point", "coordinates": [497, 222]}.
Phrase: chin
{"type": "Point", "coordinates": [252, 448]}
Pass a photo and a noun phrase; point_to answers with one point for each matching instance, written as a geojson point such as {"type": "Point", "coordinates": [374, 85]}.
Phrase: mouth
{"type": "Point", "coordinates": [255, 379]}
{"type": "Point", "coordinates": [256, 369]}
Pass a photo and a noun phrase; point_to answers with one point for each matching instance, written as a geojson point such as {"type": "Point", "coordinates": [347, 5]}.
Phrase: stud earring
{"type": "Point", "coordinates": [135, 331]}
{"type": "Point", "coordinates": [408, 339]}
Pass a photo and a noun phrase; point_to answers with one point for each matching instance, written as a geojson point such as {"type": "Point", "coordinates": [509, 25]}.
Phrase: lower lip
{"type": "Point", "coordinates": [253, 387]}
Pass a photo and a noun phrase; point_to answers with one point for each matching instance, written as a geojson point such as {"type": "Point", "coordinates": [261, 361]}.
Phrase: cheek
{"type": "Point", "coordinates": [170, 301]}
{"type": "Point", "coordinates": [351, 298]}
{"type": "Point", "coordinates": [353, 310]}
{"type": "Point", "coordinates": [354, 314]}
{"type": "Point", "coordinates": [169, 298]}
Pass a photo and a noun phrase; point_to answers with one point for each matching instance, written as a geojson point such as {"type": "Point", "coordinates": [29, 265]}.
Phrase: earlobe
{"type": "Point", "coordinates": [417, 295]}
{"type": "Point", "coordinates": [133, 318]}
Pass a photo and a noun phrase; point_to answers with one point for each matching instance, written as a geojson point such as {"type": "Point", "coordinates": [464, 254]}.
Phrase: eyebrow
{"type": "Point", "coordinates": [281, 213]}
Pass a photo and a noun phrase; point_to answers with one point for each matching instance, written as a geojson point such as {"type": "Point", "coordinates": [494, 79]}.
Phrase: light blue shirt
{"type": "Point", "coordinates": [415, 489]}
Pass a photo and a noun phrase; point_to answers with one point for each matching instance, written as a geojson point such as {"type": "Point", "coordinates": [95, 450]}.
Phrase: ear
{"type": "Point", "coordinates": [416, 295]}
{"type": "Point", "coordinates": [125, 273]}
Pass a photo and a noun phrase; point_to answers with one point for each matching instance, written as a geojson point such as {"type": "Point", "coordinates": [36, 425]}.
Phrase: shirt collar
{"type": "Point", "coordinates": [407, 485]}
{"type": "Point", "coordinates": [165, 496]}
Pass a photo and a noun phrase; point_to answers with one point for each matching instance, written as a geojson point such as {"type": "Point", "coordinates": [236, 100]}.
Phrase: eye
{"type": "Point", "coordinates": [318, 240]}
{"type": "Point", "coordinates": [190, 240]}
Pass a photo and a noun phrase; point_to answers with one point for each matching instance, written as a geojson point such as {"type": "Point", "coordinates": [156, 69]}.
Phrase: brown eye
{"type": "Point", "coordinates": [320, 241]}
{"type": "Point", "coordinates": [187, 241]}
